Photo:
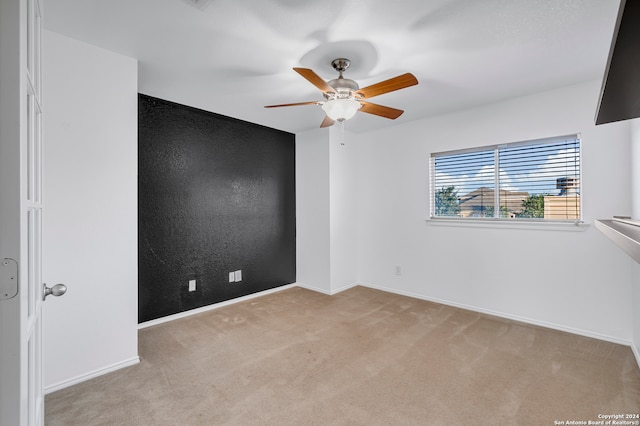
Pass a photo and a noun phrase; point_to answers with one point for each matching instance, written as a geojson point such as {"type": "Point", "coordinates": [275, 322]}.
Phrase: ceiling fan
{"type": "Point", "coordinates": [343, 96]}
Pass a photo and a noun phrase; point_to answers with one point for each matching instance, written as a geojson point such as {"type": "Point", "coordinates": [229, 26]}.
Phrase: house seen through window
{"type": "Point", "coordinates": [534, 180]}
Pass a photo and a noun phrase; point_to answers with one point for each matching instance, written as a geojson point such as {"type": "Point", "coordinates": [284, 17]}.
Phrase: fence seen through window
{"type": "Point", "coordinates": [535, 180]}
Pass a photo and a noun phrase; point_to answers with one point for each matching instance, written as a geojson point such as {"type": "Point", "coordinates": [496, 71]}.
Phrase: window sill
{"type": "Point", "coordinates": [509, 224]}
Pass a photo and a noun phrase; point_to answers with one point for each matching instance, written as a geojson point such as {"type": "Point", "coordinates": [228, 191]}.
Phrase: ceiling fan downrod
{"type": "Point", "coordinates": [340, 65]}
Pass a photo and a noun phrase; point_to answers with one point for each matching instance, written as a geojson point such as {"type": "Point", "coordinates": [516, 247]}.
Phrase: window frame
{"type": "Point", "coordinates": [533, 223]}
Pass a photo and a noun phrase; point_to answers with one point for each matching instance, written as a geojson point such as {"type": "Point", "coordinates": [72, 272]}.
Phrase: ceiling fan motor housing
{"type": "Point", "coordinates": [343, 86]}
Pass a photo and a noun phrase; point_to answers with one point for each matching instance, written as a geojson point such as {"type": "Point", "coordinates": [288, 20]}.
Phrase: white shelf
{"type": "Point", "coordinates": [625, 235]}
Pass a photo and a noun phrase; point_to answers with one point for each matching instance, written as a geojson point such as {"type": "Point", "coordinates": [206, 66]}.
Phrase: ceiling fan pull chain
{"type": "Point", "coordinates": [341, 132]}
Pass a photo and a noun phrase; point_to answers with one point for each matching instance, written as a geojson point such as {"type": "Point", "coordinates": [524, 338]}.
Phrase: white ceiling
{"type": "Point", "coordinates": [234, 56]}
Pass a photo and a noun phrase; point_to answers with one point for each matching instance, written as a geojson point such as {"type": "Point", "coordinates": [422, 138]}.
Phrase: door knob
{"type": "Point", "coordinates": [56, 290]}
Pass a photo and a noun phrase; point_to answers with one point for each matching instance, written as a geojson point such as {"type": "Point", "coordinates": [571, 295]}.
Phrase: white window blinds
{"type": "Point", "coordinates": [535, 180]}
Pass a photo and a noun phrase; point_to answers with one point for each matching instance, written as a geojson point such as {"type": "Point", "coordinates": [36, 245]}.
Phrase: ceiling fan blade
{"type": "Point", "coordinates": [294, 104]}
{"type": "Point", "coordinates": [327, 121]}
{"type": "Point", "coordinates": [382, 111]}
{"type": "Point", "coordinates": [395, 83]}
{"type": "Point", "coordinates": [314, 79]}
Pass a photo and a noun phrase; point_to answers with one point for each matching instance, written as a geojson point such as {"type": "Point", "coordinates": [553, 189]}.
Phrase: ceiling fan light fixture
{"type": "Point", "coordinates": [341, 109]}
{"type": "Point", "coordinates": [344, 97]}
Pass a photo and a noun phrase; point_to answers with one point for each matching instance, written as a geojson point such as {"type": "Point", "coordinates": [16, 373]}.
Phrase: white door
{"type": "Point", "coordinates": [21, 209]}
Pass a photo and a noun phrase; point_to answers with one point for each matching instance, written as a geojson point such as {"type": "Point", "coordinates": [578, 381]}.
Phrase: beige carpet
{"type": "Point", "coordinates": [362, 357]}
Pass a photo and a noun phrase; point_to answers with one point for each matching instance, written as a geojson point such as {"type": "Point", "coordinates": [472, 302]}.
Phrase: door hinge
{"type": "Point", "coordinates": [8, 279]}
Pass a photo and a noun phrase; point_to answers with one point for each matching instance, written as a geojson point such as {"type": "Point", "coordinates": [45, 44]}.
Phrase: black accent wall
{"type": "Point", "coordinates": [215, 195]}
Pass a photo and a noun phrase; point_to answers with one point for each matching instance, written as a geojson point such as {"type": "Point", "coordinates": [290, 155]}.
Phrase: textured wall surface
{"type": "Point", "coordinates": [216, 195]}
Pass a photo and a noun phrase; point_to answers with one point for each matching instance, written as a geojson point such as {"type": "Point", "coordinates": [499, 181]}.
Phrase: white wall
{"type": "Point", "coordinates": [635, 213]}
{"type": "Point", "coordinates": [343, 205]}
{"type": "Point", "coordinates": [567, 279]}
{"type": "Point", "coordinates": [312, 211]}
{"type": "Point", "coordinates": [634, 127]}
{"type": "Point", "coordinates": [635, 302]}
{"type": "Point", "coordinates": [90, 222]}
{"type": "Point", "coordinates": [326, 210]}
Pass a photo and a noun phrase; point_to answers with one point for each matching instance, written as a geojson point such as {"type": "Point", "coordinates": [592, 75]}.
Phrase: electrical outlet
{"type": "Point", "coordinates": [232, 277]}
{"type": "Point", "coordinates": [192, 285]}
{"type": "Point", "coordinates": [398, 270]}
{"type": "Point", "coordinates": [238, 275]}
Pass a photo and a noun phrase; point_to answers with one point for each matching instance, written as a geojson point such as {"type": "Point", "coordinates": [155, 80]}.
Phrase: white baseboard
{"type": "Point", "coordinates": [328, 293]}
{"type": "Point", "coordinates": [213, 306]}
{"type": "Point", "coordinates": [553, 326]}
{"type": "Point", "coordinates": [91, 375]}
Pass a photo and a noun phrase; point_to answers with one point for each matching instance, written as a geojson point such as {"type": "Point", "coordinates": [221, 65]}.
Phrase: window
{"type": "Point", "coordinates": [537, 180]}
